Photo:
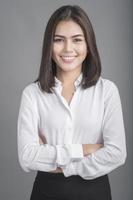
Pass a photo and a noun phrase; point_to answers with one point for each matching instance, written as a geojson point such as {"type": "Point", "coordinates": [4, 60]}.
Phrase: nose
{"type": "Point", "coordinates": [68, 46]}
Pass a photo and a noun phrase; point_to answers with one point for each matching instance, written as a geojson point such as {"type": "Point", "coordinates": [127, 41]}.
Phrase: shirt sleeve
{"type": "Point", "coordinates": [114, 153]}
{"type": "Point", "coordinates": [32, 155]}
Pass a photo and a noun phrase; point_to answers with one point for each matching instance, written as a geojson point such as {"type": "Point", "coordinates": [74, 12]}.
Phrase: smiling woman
{"type": "Point", "coordinates": [69, 48]}
{"type": "Point", "coordinates": [69, 52]}
{"type": "Point", "coordinates": [70, 124]}
{"type": "Point", "coordinates": [69, 27]}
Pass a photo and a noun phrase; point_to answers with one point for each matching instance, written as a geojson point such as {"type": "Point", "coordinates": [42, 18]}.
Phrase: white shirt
{"type": "Point", "coordinates": [94, 115]}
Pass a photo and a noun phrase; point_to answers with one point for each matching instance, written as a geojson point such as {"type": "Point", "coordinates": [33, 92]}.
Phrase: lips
{"type": "Point", "coordinates": [68, 59]}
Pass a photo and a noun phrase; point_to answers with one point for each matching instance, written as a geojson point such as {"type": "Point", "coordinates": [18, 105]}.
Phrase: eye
{"type": "Point", "coordinates": [77, 40]}
{"type": "Point", "coordinates": [58, 39]}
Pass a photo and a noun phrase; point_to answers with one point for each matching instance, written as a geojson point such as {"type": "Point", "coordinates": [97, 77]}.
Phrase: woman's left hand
{"type": "Point", "coordinates": [42, 139]}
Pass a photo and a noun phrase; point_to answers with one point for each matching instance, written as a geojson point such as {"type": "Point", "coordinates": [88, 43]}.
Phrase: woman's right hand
{"type": "Point", "coordinates": [90, 148]}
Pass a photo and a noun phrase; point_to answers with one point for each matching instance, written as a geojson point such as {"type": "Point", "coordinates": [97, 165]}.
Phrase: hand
{"type": "Point", "coordinates": [42, 139]}
{"type": "Point", "coordinates": [57, 170]}
{"type": "Point", "coordinates": [91, 148]}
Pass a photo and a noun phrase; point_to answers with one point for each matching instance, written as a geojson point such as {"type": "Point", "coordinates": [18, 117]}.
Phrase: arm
{"type": "Point", "coordinates": [87, 149]}
{"type": "Point", "coordinates": [90, 148]}
{"type": "Point", "coordinates": [32, 155]}
{"type": "Point", "coordinates": [113, 153]}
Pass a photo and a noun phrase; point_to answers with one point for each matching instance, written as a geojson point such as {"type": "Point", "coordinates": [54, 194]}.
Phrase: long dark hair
{"type": "Point", "coordinates": [91, 67]}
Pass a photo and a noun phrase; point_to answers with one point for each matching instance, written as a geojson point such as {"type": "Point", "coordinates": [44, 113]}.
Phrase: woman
{"type": "Point", "coordinates": [70, 123]}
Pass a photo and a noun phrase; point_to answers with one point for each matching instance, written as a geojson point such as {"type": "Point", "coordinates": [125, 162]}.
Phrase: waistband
{"type": "Point", "coordinates": [60, 176]}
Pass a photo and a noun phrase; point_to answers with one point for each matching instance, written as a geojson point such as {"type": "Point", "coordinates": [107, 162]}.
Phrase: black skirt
{"type": "Point", "coordinates": [55, 186]}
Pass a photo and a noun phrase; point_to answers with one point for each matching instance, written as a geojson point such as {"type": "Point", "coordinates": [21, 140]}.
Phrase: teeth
{"type": "Point", "coordinates": [68, 57]}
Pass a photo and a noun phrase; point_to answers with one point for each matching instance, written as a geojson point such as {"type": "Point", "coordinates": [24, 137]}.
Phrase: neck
{"type": "Point", "coordinates": [68, 78]}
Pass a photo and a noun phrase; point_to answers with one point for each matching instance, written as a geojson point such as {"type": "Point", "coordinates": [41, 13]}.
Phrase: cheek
{"type": "Point", "coordinates": [82, 49]}
{"type": "Point", "coordinates": [54, 51]}
{"type": "Point", "coordinates": [83, 52]}
{"type": "Point", "coordinates": [57, 49]}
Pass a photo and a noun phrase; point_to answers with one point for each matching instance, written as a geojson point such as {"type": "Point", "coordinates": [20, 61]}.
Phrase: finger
{"type": "Point", "coordinates": [42, 137]}
{"type": "Point", "coordinates": [40, 141]}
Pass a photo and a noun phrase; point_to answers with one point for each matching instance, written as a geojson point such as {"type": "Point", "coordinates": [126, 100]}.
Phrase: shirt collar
{"type": "Point", "coordinates": [76, 83]}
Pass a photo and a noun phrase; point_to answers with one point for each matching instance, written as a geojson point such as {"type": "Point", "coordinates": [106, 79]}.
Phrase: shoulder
{"type": "Point", "coordinates": [107, 85]}
{"type": "Point", "coordinates": [109, 88]}
{"type": "Point", "coordinates": [31, 90]}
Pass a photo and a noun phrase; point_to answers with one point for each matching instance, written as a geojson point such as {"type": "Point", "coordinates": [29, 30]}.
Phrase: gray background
{"type": "Point", "coordinates": [22, 24]}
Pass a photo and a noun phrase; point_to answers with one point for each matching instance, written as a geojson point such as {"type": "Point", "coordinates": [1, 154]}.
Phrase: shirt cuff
{"type": "Point", "coordinates": [69, 170]}
{"type": "Point", "coordinates": [68, 153]}
{"type": "Point", "coordinates": [76, 151]}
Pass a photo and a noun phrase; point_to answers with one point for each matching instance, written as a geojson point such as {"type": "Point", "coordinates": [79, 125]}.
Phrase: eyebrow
{"type": "Point", "coordinates": [73, 36]}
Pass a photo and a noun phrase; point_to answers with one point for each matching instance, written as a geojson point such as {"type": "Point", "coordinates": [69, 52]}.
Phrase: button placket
{"type": "Point", "coordinates": [61, 99]}
{"type": "Point", "coordinates": [69, 130]}
{"type": "Point", "coordinates": [73, 100]}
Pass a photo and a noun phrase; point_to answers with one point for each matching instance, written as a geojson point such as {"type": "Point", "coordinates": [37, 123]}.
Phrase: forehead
{"type": "Point", "coordinates": [68, 28]}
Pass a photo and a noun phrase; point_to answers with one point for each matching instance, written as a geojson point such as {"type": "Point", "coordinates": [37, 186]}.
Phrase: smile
{"type": "Point", "coordinates": [68, 59]}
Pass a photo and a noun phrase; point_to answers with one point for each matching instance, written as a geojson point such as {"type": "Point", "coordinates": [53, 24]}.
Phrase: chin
{"type": "Point", "coordinates": [68, 69]}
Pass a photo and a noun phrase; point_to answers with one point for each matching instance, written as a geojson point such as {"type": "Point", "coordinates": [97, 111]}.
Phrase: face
{"type": "Point", "coordinates": [69, 46]}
